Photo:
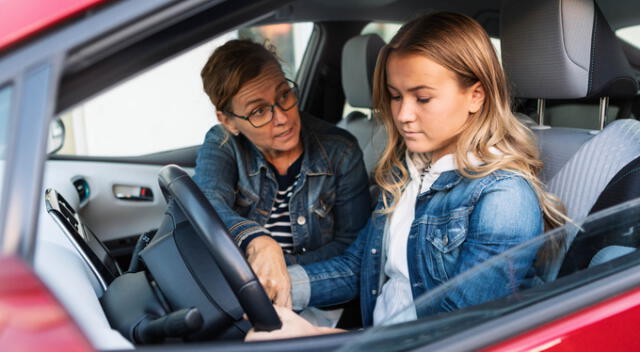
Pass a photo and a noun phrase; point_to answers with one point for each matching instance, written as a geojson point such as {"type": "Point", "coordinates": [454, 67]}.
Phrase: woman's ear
{"type": "Point", "coordinates": [228, 123]}
{"type": "Point", "coordinates": [477, 97]}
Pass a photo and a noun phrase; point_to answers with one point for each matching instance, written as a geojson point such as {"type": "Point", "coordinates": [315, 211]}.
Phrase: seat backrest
{"type": "Point", "coordinates": [359, 56]}
{"type": "Point", "coordinates": [570, 52]}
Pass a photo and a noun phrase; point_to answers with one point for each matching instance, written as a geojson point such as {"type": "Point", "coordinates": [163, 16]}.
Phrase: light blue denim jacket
{"type": "Point", "coordinates": [329, 203]}
{"type": "Point", "coordinates": [460, 222]}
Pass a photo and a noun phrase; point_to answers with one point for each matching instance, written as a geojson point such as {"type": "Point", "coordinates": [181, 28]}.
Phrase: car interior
{"type": "Point", "coordinates": [138, 256]}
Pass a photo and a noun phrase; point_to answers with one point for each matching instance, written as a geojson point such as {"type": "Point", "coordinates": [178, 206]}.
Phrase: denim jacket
{"type": "Point", "coordinates": [459, 223]}
{"type": "Point", "coordinates": [328, 206]}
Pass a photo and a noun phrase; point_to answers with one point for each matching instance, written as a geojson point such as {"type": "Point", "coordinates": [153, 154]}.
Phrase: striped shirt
{"type": "Point", "coordinates": [278, 225]}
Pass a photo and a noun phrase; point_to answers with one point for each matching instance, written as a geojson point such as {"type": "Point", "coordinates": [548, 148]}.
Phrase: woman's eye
{"type": "Point", "coordinates": [284, 95]}
{"type": "Point", "coordinates": [396, 97]}
{"type": "Point", "coordinates": [259, 111]}
{"type": "Point", "coordinates": [423, 100]}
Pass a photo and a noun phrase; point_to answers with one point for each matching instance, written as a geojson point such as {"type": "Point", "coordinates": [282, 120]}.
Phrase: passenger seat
{"type": "Point", "coordinates": [359, 56]}
{"type": "Point", "coordinates": [553, 49]}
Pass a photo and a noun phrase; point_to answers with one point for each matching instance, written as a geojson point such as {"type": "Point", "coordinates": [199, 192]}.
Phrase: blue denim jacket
{"type": "Point", "coordinates": [328, 206]}
{"type": "Point", "coordinates": [459, 223]}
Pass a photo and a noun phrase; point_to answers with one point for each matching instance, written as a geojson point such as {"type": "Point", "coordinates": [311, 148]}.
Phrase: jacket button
{"type": "Point", "coordinates": [301, 220]}
{"type": "Point", "coordinates": [373, 292]}
{"type": "Point", "coordinates": [374, 251]}
{"type": "Point", "coordinates": [445, 240]}
{"type": "Point", "coordinates": [304, 249]}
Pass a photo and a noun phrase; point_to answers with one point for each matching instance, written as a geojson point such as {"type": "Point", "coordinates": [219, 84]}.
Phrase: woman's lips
{"type": "Point", "coordinates": [285, 134]}
{"type": "Point", "coordinates": [410, 134]}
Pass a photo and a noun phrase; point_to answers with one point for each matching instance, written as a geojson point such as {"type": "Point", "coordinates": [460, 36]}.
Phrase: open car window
{"type": "Point", "coordinates": [5, 111]}
{"type": "Point", "coordinates": [165, 108]}
{"type": "Point", "coordinates": [603, 244]}
{"type": "Point", "coordinates": [630, 35]}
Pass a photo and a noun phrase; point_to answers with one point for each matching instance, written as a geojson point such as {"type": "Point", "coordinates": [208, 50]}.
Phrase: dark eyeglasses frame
{"type": "Point", "coordinates": [294, 89]}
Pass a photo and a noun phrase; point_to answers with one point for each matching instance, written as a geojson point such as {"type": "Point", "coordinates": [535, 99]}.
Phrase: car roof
{"type": "Point", "coordinates": [30, 17]}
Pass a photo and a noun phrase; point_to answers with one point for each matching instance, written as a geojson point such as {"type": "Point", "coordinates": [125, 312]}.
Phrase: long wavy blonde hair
{"type": "Point", "coordinates": [461, 45]}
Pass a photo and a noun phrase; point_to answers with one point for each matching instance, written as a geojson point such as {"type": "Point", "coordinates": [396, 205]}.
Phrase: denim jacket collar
{"type": "Point", "coordinates": [446, 181]}
{"type": "Point", "coordinates": [315, 158]}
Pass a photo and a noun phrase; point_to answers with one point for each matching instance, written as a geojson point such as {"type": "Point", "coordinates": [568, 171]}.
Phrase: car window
{"type": "Point", "coordinates": [630, 34]}
{"type": "Point", "coordinates": [165, 107]}
{"type": "Point", "coordinates": [601, 245]}
{"type": "Point", "coordinates": [5, 111]}
{"type": "Point", "coordinates": [5, 105]}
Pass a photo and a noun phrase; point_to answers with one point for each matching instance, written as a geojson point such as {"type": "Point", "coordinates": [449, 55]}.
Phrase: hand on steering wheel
{"type": "Point", "coordinates": [177, 185]}
{"type": "Point", "coordinates": [265, 256]}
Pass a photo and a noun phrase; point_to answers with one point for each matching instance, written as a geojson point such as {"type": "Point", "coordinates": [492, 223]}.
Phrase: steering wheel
{"type": "Point", "coordinates": [177, 185]}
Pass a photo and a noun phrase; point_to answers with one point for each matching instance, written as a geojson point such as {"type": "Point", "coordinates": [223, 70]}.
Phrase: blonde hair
{"type": "Point", "coordinates": [461, 45]}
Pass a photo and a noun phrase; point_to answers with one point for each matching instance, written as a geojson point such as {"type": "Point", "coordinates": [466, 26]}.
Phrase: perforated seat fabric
{"type": "Point", "coordinates": [579, 183]}
{"type": "Point", "coordinates": [557, 146]}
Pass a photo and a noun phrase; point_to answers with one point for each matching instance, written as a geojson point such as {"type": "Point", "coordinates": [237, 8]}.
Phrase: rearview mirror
{"type": "Point", "coordinates": [56, 136]}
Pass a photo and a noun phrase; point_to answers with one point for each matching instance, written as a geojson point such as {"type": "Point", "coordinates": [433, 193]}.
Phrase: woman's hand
{"type": "Point", "coordinates": [265, 256]}
{"type": "Point", "coordinates": [293, 325]}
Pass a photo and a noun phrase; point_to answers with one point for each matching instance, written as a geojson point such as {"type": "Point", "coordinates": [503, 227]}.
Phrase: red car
{"type": "Point", "coordinates": [97, 97]}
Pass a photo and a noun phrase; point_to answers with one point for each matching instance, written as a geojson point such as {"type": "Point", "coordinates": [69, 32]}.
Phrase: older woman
{"type": "Point", "coordinates": [290, 189]}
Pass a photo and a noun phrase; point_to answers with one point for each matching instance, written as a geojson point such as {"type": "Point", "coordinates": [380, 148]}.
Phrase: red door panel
{"type": "Point", "coordinates": [31, 319]}
{"type": "Point", "coordinates": [609, 326]}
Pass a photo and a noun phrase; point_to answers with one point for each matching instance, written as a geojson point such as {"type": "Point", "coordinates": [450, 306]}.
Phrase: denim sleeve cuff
{"type": "Point", "coordinates": [245, 242]}
{"type": "Point", "coordinates": [300, 287]}
{"type": "Point", "coordinates": [243, 230]}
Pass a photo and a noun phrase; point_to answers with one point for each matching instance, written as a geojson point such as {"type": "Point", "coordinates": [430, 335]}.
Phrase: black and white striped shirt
{"type": "Point", "coordinates": [278, 225]}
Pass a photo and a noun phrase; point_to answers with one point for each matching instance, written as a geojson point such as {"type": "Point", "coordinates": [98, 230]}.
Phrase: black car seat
{"type": "Point", "coordinates": [359, 56]}
{"type": "Point", "coordinates": [554, 49]}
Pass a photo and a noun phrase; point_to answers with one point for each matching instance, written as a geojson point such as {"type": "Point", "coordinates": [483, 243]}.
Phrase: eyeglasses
{"type": "Point", "coordinates": [287, 98]}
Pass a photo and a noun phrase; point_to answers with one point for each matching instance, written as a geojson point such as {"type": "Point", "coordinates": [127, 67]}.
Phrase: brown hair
{"type": "Point", "coordinates": [232, 65]}
{"type": "Point", "coordinates": [460, 44]}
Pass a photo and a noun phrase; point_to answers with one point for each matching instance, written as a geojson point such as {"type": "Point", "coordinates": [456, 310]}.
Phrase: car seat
{"type": "Point", "coordinates": [359, 56]}
{"type": "Point", "coordinates": [570, 52]}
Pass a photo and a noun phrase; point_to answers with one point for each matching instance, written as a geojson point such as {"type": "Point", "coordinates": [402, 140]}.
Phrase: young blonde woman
{"type": "Point", "coordinates": [458, 180]}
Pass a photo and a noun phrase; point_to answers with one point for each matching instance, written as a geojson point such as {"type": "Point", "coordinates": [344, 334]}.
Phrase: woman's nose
{"type": "Point", "coordinates": [405, 113]}
{"type": "Point", "coordinates": [279, 117]}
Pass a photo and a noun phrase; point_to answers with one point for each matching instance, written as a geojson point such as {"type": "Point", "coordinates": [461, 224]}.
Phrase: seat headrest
{"type": "Point", "coordinates": [359, 56]}
{"type": "Point", "coordinates": [562, 49]}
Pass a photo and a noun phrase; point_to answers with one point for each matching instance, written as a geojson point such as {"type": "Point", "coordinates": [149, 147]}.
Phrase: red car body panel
{"type": "Point", "coordinates": [31, 319]}
{"type": "Point", "coordinates": [24, 18]}
{"type": "Point", "coordinates": [609, 326]}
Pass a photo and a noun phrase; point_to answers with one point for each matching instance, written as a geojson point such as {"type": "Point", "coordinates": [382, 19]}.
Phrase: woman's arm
{"type": "Point", "coordinates": [217, 176]}
{"type": "Point", "coordinates": [507, 214]}
{"type": "Point", "coordinates": [351, 210]}
{"type": "Point", "coordinates": [333, 281]}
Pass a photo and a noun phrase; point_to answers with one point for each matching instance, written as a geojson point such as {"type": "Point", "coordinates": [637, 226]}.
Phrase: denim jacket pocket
{"type": "Point", "coordinates": [443, 237]}
{"type": "Point", "coordinates": [323, 209]}
{"type": "Point", "coordinates": [245, 201]}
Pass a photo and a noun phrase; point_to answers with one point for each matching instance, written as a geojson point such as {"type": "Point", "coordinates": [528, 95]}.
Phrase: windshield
{"type": "Point", "coordinates": [591, 249]}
